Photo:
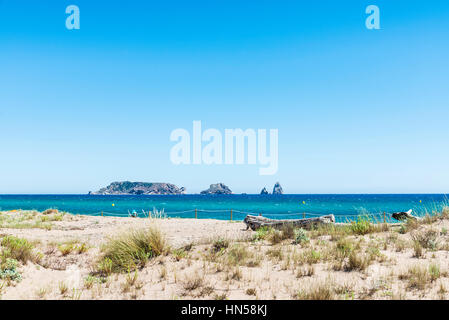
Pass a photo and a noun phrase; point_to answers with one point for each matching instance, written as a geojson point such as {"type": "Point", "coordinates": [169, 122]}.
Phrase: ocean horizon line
{"type": "Point", "coordinates": [219, 195]}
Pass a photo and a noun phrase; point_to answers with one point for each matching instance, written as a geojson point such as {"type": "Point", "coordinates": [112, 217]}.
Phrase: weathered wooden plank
{"type": "Point", "coordinates": [256, 222]}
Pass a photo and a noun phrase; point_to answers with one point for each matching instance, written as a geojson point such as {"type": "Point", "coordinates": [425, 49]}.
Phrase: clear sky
{"type": "Point", "coordinates": [358, 110]}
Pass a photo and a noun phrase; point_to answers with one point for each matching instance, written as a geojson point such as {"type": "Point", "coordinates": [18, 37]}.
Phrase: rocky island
{"type": "Point", "coordinates": [218, 188]}
{"type": "Point", "coordinates": [264, 191]}
{"type": "Point", "coordinates": [277, 189]}
{"type": "Point", "coordinates": [139, 188]}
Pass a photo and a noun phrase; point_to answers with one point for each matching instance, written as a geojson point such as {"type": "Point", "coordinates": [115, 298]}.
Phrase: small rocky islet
{"type": "Point", "coordinates": [162, 188]}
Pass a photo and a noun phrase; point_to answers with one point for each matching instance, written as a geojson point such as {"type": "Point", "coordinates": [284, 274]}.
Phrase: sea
{"type": "Point", "coordinates": [233, 207]}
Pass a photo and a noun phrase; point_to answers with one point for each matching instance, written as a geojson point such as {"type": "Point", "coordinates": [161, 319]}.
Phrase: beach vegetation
{"type": "Point", "coordinates": [132, 250]}
{"type": "Point", "coordinates": [219, 245]}
{"type": "Point", "coordinates": [251, 292]}
{"type": "Point", "coordinates": [306, 271]}
{"type": "Point", "coordinates": [63, 288]}
{"type": "Point", "coordinates": [66, 249]}
{"type": "Point", "coordinates": [275, 236]}
{"type": "Point", "coordinates": [239, 255]}
{"type": "Point", "coordinates": [222, 296]}
{"type": "Point", "coordinates": [179, 253]}
{"type": "Point", "coordinates": [8, 270]}
{"type": "Point", "coordinates": [193, 281]}
{"type": "Point", "coordinates": [131, 281]}
{"type": "Point", "coordinates": [362, 225]}
{"type": "Point", "coordinates": [417, 277]}
{"type": "Point", "coordinates": [417, 249]}
{"type": "Point", "coordinates": [275, 252]}
{"type": "Point", "coordinates": [317, 291]}
{"type": "Point", "coordinates": [261, 233]}
{"type": "Point", "coordinates": [300, 236]}
{"type": "Point", "coordinates": [428, 239]}
{"type": "Point", "coordinates": [18, 249]}
{"type": "Point", "coordinates": [82, 248]}
{"type": "Point", "coordinates": [311, 256]}
{"type": "Point", "coordinates": [434, 271]}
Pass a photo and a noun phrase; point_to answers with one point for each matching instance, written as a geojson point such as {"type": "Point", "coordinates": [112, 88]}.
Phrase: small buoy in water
{"type": "Point", "coordinates": [303, 202]}
{"type": "Point", "coordinates": [113, 204]}
{"type": "Point", "coordinates": [420, 201]}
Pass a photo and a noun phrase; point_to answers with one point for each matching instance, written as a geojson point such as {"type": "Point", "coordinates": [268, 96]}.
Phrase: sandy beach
{"type": "Point", "coordinates": [213, 259]}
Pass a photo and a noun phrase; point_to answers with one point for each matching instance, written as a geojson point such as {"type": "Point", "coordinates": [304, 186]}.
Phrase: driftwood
{"type": "Point", "coordinates": [256, 222]}
{"type": "Point", "coordinates": [401, 216]}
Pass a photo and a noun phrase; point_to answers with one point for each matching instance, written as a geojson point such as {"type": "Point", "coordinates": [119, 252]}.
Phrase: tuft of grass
{"type": "Point", "coordinates": [239, 255]}
{"type": "Point", "coordinates": [220, 244]}
{"type": "Point", "coordinates": [261, 234]}
{"type": "Point", "coordinates": [300, 236]}
{"type": "Point", "coordinates": [417, 277]}
{"type": "Point", "coordinates": [63, 288]}
{"type": "Point", "coordinates": [251, 292]}
{"type": "Point", "coordinates": [344, 247]}
{"type": "Point", "coordinates": [105, 266]}
{"type": "Point", "coordinates": [82, 248]}
{"type": "Point", "coordinates": [410, 225]}
{"type": "Point", "coordinates": [434, 272]}
{"type": "Point", "coordinates": [41, 293]}
{"type": "Point", "coordinates": [305, 272]}
{"type": "Point", "coordinates": [427, 239]}
{"type": "Point", "coordinates": [321, 291]}
{"type": "Point", "coordinates": [275, 236]}
{"type": "Point", "coordinates": [288, 231]}
{"type": "Point", "coordinates": [131, 281]}
{"type": "Point", "coordinates": [66, 249]}
{"type": "Point", "coordinates": [417, 249]}
{"type": "Point", "coordinates": [311, 256]}
{"type": "Point", "coordinates": [18, 249]}
{"type": "Point", "coordinates": [179, 254]}
{"type": "Point", "coordinates": [90, 280]}
{"type": "Point", "coordinates": [131, 250]}
{"type": "Point", "coordinates": [222, 296]}
{"type": "Point", "coordinates": [275, 252]}
{"type": "Point", "coordinates": [357, 261]}
{"type": "Point", "coordinates": [72, 246]}
{"type": "Point", "coordinates": [445, 212]}
{"type": "Point", "coordinates": [192, 282]}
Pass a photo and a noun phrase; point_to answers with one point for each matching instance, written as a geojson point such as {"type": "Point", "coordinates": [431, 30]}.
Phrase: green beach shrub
{"type": "Point", "coordinates": [261, 234]}
{"type": "Point", "coordinates": [362, 225]}
{"type": "Point", "coordinates": [8, 270]}
{"type": "Point", "coordinates": [18, 249]}
{"type": "Point", "coordinates": [301, 236]}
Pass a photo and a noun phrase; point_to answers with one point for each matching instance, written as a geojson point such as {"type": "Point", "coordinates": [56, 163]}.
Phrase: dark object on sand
{"type": "Point", "coordinates": [401, 216]}
{"type": "Point", "coordinates": [256, 222]}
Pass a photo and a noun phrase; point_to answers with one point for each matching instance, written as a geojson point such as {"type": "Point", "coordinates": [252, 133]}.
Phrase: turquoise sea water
{"type": "Point", "coordinates": [219, 207]}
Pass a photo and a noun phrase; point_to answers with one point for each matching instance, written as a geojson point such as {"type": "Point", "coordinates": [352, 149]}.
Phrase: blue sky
{"type": "Point", "coordinates": [358, 110]}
